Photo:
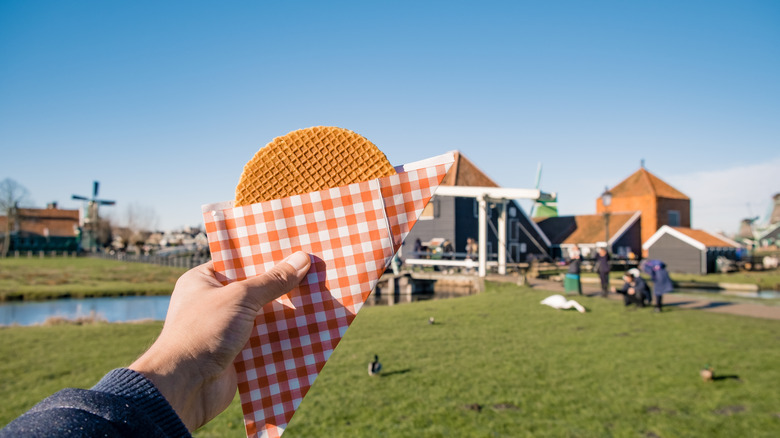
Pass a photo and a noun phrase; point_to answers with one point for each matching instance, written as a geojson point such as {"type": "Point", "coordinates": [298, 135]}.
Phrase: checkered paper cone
{"type": "Point", "coordinates": [352, 233]}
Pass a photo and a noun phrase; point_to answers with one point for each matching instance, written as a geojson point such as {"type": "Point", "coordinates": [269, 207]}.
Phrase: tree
{"type": "Point", "coordinates": [136, 223]}
{"type": "Point", "coordinates": [11, 195]}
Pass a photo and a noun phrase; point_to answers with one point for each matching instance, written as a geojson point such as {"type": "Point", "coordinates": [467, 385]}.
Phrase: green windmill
{"type": "Point", "coordinates": [543, 207]}
{"type": "Point", "coordinates": [91, 224]}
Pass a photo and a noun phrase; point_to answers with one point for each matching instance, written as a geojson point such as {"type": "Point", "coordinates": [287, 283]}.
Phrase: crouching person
{"type": "Point", "coordinates": [634, 290]}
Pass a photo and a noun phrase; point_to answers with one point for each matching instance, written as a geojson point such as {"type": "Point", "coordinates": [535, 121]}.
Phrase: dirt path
{"type": "Point", "coordinates": [679, 301]}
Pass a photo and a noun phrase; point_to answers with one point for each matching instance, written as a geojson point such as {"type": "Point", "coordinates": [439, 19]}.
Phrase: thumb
{"type": "Point", "coordinates": [258, 291]}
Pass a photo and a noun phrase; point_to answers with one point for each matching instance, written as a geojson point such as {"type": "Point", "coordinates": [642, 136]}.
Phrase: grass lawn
{"type": "Point", "coordinates": [39, 279]}
{"type": "Point", "coordinates": [39, 361]}
{"type": "Point", "coordinates": [495, 364]}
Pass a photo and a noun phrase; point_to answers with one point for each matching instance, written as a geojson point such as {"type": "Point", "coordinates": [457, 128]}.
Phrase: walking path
{"type": "Point", "coordinates": [676, 300]}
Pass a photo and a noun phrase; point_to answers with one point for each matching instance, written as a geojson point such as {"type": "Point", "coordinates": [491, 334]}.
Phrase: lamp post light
{"type": "Point", "coordinates": [606, 199]}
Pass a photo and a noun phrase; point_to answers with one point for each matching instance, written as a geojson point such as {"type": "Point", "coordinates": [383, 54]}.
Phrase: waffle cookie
{"type": "Point", "coordinates": [309, 160]}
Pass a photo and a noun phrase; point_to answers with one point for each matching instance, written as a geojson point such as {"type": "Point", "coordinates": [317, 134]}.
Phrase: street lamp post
{"type": "Point", "coordinates": [606, 199]}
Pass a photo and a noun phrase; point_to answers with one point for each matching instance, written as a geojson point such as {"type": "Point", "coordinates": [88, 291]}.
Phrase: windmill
{"type": "Point", "coordinates": [91, 218]}
{"type": "Point", "coordinates": [544, 208]}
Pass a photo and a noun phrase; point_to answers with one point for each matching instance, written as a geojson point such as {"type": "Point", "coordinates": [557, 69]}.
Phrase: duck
{"type": "Point", "coordinates": [707, 373]}
{"type": "Point", "coordinates": [374, 367]}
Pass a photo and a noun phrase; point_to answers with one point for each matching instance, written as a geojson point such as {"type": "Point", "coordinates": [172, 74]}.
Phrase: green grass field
{"type": "Point", "coordinates": [39, 279]}
{"type": "Point", "coordinates": [496, 364]}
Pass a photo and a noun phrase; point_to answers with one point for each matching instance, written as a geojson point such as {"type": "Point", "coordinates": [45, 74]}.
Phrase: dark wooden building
{"type": "Point", "coordinates": [590, 231]}
{"type": "Point", "coordinates": [456, 219]}
{"type": "Point", "coordinates": [689, 251]}
{"type": "Point", "coordinates": [769, 236]}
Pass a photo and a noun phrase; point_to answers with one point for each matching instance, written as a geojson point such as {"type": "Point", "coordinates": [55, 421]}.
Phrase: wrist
{"type": "Point", "coordinates": [172, 378]}
{"type": "Point", "coordinates": [142, 393]}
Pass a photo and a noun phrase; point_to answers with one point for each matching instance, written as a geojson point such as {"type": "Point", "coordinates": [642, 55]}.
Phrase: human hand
{"type": "Point", "coordinates": [207, 325]}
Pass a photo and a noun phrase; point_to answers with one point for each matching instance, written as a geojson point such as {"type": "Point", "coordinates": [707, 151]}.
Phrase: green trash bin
{"type": "Point", "coordinates": [571, 284]}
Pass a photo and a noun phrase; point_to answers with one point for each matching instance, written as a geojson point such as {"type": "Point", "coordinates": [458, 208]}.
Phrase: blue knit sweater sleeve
{"type": "Point", "coordinates": [123, 404]}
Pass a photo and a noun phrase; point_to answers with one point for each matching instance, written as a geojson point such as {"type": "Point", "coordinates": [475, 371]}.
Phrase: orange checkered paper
{"type": "Point", "coordinates": [351, 233]}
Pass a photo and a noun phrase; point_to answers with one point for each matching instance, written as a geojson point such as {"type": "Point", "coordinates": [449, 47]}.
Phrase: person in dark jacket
{"type": "Point", "coordinates": [661, 284]}
{"type": "Point", "coordinates": [634, 290]}
{"type": "Point", "coordinates": [185, 379]}
{"type": "Point", "coordinates": [418, 249]}
{"type": "Point", "coordinates": [602, 267]}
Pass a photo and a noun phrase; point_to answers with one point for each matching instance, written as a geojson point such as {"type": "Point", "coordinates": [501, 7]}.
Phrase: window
{"type": "Point", "coordinates": [674, 218]}
{"type": "Point", "coordinates": [514, 251]}
{"type": "Point", "coordinates": [514, 230]}
{"type": "Point", "coordinates": [428, 212]}
{"type": "Point", "coordinates": [489, 209]}
{"type": "Point", "coordinates": [512, 211]}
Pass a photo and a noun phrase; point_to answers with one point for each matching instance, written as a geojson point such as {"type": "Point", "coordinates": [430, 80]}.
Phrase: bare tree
{"type": "Point", "coordinates": [136, 223]}
{"type": "Point", "coordinates": [11, 195]}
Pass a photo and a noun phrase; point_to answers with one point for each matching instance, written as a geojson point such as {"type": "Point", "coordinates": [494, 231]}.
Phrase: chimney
{"type": "Point", "coordinates": [52, 205]}
{"type": "Point", "coordinates": [775, 217]}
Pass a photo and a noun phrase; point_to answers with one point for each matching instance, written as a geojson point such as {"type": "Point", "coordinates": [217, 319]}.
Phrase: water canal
{"type": "Point", "coordinates": [135, 308]}
{"type": "Point", "coordinates": [115, 309]}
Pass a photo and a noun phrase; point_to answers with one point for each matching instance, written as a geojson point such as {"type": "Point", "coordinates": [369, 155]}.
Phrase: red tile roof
{"type": "Point", "coordinates": [707, 239]}
{"type": "Point", "coordinates": [585, 229]}
{"type": "Point", "coordinates": [642, 182]}
{"type": "Point", "coordinates": [36, 221]}
{"type": "Point", "coordinates": [464, 173]}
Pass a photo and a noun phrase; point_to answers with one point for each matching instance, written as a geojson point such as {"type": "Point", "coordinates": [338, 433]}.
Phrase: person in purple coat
{"type": "Point", "coordinates": [661, 284]}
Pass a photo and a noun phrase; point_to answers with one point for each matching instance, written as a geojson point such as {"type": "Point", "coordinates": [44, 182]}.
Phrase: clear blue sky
{"type": "Point", "coordinates": [164, 102]}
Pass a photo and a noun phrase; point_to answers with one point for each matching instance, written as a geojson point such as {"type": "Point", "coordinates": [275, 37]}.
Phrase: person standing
{"type": "Point", "coordinates": [662, 284]}
{"type": "Point", "coordinates": [602, 267]}
{"type": "Point", "coordinates": [418, 249]}
{"type": "Point", "coordinates": [472, 251]}
{"type": "Point", "coordinates": [571, 282]}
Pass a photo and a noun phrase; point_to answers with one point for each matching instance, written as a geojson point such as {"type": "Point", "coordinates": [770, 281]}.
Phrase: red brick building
{"type": "Point", "coordinates": [659, 203]}
{"type": "Point", "coordinates": [43, 229]}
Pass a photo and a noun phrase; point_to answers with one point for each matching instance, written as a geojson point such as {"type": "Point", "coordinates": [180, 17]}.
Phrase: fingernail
{"type": "Point", "coordinates": [299, 261]}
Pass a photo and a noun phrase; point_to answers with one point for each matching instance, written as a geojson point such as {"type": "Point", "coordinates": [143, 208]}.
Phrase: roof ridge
{"type": "Point", "coordinates": [649, 181]}
{"type": "Point", "coordinates": [457, 167]}
{"type": "Point", "coordinates": [463, 156]}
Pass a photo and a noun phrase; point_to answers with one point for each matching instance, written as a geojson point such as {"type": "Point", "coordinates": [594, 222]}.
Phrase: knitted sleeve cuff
{"type": "Point", "coordinates": [145, 396]}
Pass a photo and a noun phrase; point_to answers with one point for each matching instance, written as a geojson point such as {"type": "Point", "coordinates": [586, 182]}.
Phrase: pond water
{"type": "Point", "coordinates": [123, 309]}
{"type": "Point", "coordinates": [765, 294]}
{"type": "Point", "coordinates": [118, 309]}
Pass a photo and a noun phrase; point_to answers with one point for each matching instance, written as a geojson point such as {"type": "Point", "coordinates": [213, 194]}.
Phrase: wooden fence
{"type": "Point", "coordinates": [187, 261]}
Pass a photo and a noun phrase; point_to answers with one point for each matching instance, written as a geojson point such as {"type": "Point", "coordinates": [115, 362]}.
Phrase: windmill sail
{"type": "Point", "coordinates": [540, 208]}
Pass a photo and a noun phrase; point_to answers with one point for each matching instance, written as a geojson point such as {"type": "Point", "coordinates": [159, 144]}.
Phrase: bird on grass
{"type": "Point", "coordinates": [374, 367]}
{"type": "Point", "coordinates": [707, 373]}
{"type": "Point", "coordinates": [431, 320]}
